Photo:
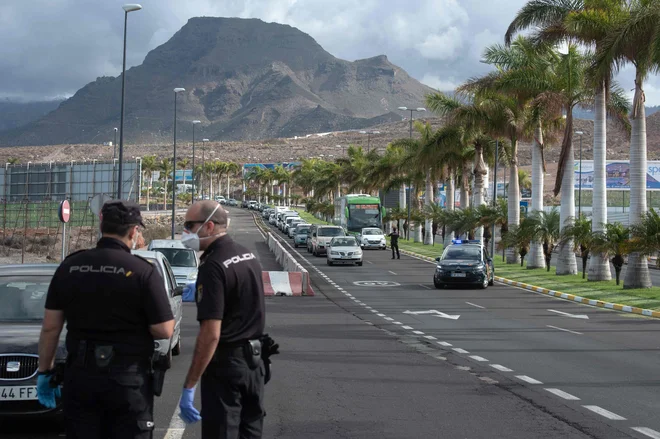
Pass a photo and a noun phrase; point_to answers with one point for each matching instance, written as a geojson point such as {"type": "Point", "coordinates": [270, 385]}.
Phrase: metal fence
{"type": "Point", "coordinates": [30, 195]}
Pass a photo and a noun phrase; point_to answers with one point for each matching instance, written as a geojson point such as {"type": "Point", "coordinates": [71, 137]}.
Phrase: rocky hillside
{"type": "Point", "coordinates": [244, 79]}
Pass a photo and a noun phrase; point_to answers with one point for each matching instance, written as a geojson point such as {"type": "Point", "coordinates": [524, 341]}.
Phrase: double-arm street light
{"type": "Point", "coordinates": [369, 133]}
{"type": "Point", "coordinates": [203, 162]}
{"type": "Point", "coordinates": [176, 92]}
{"type": "Point", "coordinates": [127, 8]}
{"type": "Point", "coordinates": [194, 122]}
{"type": "Point", "coordinates": [419, 109]}
{"type": "Point", "coordinates": [580, 183]}
{"type": "Point", "coordinates": [114, 146]}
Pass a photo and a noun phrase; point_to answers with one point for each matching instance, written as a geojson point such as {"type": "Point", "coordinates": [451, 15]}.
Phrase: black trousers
{"type": "Point", "coordinates": [114, 403]}
{"type": "Point", "coordinates": [395, 247]}
{"type": "Point", "coordinates": [232, 398]}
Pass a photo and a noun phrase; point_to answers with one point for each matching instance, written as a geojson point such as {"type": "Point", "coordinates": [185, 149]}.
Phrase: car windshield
{"type": "Point", "coordinates": [372, 232]}
{"type": "Point", "coordinates": [344, 242]}
{"type": "Point", "coordinates": [463, 252]}
{"type": "Point", "coordinates": [178, 257]}
{"type": "Point", "coordinates": [331, 231]}
{"type": "Point", "coordinates": [302, 230]}
{"type": "Point", "coordinates": [23, 297]}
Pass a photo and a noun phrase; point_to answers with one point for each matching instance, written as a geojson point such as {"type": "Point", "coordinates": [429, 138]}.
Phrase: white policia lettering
{"type": "Point", "coordinates": [237, 259]}
{"type": "Point", "coordinates": [108, 269]}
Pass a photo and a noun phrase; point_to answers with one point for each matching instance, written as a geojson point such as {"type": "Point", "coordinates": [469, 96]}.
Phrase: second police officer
{"type": "Point", "coordinates": [115, 305]}
{"type": "Point", "coordinates": [230, 309]}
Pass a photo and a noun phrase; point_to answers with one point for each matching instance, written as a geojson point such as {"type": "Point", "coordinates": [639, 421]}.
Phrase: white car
{"type": "Point", "coordinates": [184, 261]}
{"type": "Point", "coordinates": [344, 250]}
{"type": "Point", "coordinates": [372, 237]}
{"type": "Point", "coordinates": [291, 228]}
{"type": "Point", "coordinates": [322, 236]}
{"type": "Point", "coordinates": [172, 346]}
{"type": "Point", "coordinates": [272, 219]}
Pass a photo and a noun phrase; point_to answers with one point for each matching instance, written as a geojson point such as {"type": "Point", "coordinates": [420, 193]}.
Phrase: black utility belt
{"type": "Point", "coordinates": [102, 355]}
{"type": "Point", "coordinates": [249, 349]}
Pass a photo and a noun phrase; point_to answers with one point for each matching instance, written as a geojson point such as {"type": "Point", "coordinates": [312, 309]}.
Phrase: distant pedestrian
{"type": "Point", "coordinates": [394, 242]}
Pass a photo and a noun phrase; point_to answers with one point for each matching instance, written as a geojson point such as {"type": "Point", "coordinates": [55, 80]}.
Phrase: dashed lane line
{"type": "Point", "coordinates": [391, 272]}
{"type": "Point", "coordinates": [604, 413]}
{"type": "Point", "coordinates": [177, 427]}
{"type": "Point", "coordinates": [407, 327]}
{"type": "Point", "coordinates": [562, 394]}
{"type": "Point", "coordinates": [478, 358]}
{"type": "Point", "coordinates": [565, 330]}
{"type": "Point", "coordinates": [647, 432]}
{"type": "Point", "coordinates": [425, 286]}
{"type": "Point", "coordinates": [527, 379]}
{"type": "Point", "coordinates": [444, 343]}
{"type": "Point", "coordinates": [475, 305]}
{"type": "Point", "coordinates": [501, 368]}
{"type": "Point", "coordinates": [418, 332]}
{"type": "Point", "coordinates": [460, 351]}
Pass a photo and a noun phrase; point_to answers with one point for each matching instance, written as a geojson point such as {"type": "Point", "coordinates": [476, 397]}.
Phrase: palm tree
{"type": "Point", "coordinates": [13, 160]}
{"type": "Point", "coordinates": [635, 40]}
{"type": "Point", "coordinates": [645, 240]}
{"type": "Point", "coordinates": [578, 231]}
{"type": "Point", "coordinates": [544, 227]}
{"type": "Point", "coordinates": [233, 169]}
{"type": "Point", "coordinates": [495, 215]}
{"type": "Point", "coordinates": [613, 241]}
{"type": "Point", "coordinates": [166, 169]}
{"type": "Point", "coordinates": [588, 22]}
{"type": "Point", "coordinates": [149, 165]}
{"type": "Point", "coordinates": [517, 238]}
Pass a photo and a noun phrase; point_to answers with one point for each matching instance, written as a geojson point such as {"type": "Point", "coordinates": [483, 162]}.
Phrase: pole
{"type": "Point", "coordinates": [368, 142]}
{"type": "Point", "coordinates": [492, 235]}
{"type": "Point", "coordinates": [63, 241]}
{"type": "Point", "coordinates": [121, 122]}
{"type": "Point", "coordinates": [580, 185]}
{"type": "Point", "coordinates": [203, 165]}
{"type": "Point", "coordinates": [192, 198]}
{"type": "Point", "coordinates": [174, 171]}
{"type": "Point", "coordinates": [114, 146]}
{"type": "Point", "coordinates": [409, 198]}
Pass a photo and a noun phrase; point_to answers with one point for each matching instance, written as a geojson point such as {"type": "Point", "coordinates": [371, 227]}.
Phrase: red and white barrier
{"type": "Point", "coordinates": [283, 283]}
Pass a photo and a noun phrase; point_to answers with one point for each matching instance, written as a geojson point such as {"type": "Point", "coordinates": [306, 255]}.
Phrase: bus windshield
{"type": "Point", "coordinates": [363, 215]}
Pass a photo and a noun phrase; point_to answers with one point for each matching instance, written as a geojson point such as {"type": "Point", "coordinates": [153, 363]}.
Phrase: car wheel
{"type": "Point", "coordinates": [359, 264]}
{"type": "Point", "coordinates": [329, 263]}
{"type": "Point", "coordinates": [491, 282]}
{"type": "Point", "coordinates": [176, 350]}
{"type": "Point", "coordinates": [439, 285]}
{"type": "Point", "coordinates": [483, 285]}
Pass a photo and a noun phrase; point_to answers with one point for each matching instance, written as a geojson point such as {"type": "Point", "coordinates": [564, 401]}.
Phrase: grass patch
{"type": "Point", "coordinates": [311, 219]}
{"type": "Point", "coordinates": [607, 291]}
{"type": "Point", "coordinates": [432, 251]}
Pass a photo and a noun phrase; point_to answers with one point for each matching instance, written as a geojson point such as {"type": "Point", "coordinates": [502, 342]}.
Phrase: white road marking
{"type": "Point", "coordinates": [501, 368]}
{"type": "Point", "coordinates": [434, 313]}
{"type": "Point", "coordinates": [374, 311]}
{"type": "Point", "coordinates": [605, 413]}
{"type": "Point", "coordinates": [430, 337]}
{"type": "Point", "coordinates": [478, 358]}
{"type": "Point", "coordinates": [390, 319]}
{"type": "Point", "coordinates": [488, 380]}
{"type": "Point", "coordinates": [369, 262]}
{"type": "Point", "coordinates": [562, 394]}
{"type": "Point", "coordinates": [425, 286]}
{"type": "Point", "coordinates": [647, 432]}
{"type": "Point", "coordinates": [406, 327]}
{"type": "Point", "coordinates": [527, 379]}
{"type": "Point", "coordinates": [573, 316]}
{"type": "Point", "coordinates": [368, 307]}
{"type": "Point", "coordinates": [392, 272]}
{"type": "Point", "coordinates": [444, 343]}
{"type": "Point", "coordinates": [475, 305]}
{"type": "Point", "coordinates": [565, 330]}
{"type": "Point", "coordinates": [380, 315]}
{"type": "Point", "coordinates": [418, 332]}
{"type": "Point", "coordinates": [177, 427]}
{"type": "Point", "coordinates": [398, 323]}
{"type": "Point", "coordinates": [460, 351]}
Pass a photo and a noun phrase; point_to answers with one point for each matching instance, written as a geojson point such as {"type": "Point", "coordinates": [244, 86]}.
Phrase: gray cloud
{"type": "Point", "coordinates": [52, 48]}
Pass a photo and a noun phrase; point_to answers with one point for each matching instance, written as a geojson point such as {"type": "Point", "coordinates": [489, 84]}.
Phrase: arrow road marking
{"type": "Point", "coordinates": [433, 312]}
{"type": "Point", "coordinates": [574, 316]}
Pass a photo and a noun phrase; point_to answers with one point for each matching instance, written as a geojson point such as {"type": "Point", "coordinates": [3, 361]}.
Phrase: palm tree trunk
{"type": "Point", "coordinates": [535, 258]}
{"type": "Point", "coordinates": [465, 190]}
{"type": "Point", "coordinates": [566, 262]}
{"type": "Point", "coordinates": [480, 171]}
{"type": "Point", "coordinates": [149, 190]}
{"type": "Point", "coordinates": [165, 197]}
{"type": "Point", "coordinates": [599, 266]}
{"type": "Point", "coordinates": [637, 274]}
{"type": "Point", "coordinates": [450, 204]}
{"type": "Point", "coordinates": [513, 202]}
{"type": "Point", "coordinates": [402, 197]}
{"type": "Point", "coordinates": [428, 199]}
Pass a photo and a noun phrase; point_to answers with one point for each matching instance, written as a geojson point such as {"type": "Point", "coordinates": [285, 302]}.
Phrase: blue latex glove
{"type": "Point", "coordinates": [45, 393]}
{"type": "Point", "coordinates": [188, 412]}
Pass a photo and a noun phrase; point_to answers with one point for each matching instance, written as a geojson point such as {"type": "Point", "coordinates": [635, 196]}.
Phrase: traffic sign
{"type": "Point", "coordinates": [64, 212]}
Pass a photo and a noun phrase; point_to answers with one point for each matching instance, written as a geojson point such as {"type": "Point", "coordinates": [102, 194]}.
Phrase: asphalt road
{"type": "Point", "coordinates": [354, 365]}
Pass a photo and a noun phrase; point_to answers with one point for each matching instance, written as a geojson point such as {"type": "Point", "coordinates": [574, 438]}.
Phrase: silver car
{"type": "Point", "coordinates": [184, 261]}
{"type": "Point", "coordinates": [174, 292]}
{"type": "Point", "coordinates": [344, 250]}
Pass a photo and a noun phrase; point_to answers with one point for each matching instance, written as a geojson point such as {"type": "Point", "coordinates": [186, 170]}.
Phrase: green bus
{"type": "Point", "coordinates": [353, 212]}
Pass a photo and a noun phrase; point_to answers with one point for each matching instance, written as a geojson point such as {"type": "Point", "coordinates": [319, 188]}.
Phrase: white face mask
{"type": "Point", "coordinates": [192, 240]}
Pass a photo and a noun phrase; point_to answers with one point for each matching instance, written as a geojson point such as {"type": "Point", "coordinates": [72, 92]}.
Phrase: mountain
{"type": "Point", "coordinates": [17, 114]}
{"type": "Point", "coordinates": [245, 80]}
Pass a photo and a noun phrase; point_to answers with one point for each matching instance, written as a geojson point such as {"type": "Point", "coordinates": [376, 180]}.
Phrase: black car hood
{"type": "Point", "coordinates": [23, 338]}
{"type": "Point", "coordinates": [458, 263]}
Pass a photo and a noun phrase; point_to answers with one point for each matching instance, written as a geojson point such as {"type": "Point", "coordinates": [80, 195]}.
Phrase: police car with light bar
{"type": "Point", "coordinates": [464, 262]}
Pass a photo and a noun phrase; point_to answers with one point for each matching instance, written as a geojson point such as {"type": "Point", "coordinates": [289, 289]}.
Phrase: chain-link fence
{"type": "Point", "coordinates": [30, 196]}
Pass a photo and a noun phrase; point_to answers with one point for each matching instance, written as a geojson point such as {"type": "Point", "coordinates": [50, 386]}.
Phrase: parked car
{"type": "Point", "coordinates": [232, 202]}
{"type": "Point", "coordinates": [220, 199]}
{"type": "Point", "coordinates": [288, 221]}
{"type": "Point", "coordinates": [244, 204]}
{"type": "Point", "coordinates": [291, 227]}
{"type": "Point", "coordinates": [272, 219]}
{"type": "Point", "coordinates": [344, 250]}
{"type": "Point", "coordinates": [23, 291]}
{"type": "Point", "coordinates": [300, 234]}
{"type": "Point", "coordinates": [252, 205]}
{"type": "Point", "coordinates": [322, 236]}
{"type": "Point", "coordinates": [372, 237]}
{"type": "Point", "coordinates": [184, 261]}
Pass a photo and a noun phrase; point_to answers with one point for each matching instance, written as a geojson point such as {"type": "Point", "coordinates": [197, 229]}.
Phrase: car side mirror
{"type": "Point", "coordinates": [178, 291]}
{"type": "Point", "coordinates": [437, 259]}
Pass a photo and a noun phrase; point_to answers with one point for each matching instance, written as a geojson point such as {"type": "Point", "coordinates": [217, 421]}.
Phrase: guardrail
{"type": "Point", "coordinates": [289, 263]}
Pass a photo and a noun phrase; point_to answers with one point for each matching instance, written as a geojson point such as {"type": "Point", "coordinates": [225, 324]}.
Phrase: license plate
{"type": "Point", "coordinates": [18, 393]}
{"type": "Point", "coordinates": [346, 257]}
{"type": "Point", "coordinates": [458, 275]}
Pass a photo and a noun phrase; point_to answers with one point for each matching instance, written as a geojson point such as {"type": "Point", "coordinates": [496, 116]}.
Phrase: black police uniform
{"type": "Point", "coordinates": [230, 288]}
{"type": "Point", "coordinates": [394, 243]}
{"type": "Point", "coordinates": [109, 298]}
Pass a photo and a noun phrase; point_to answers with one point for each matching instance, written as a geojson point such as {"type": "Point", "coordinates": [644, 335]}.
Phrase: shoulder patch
{"type": "Point", "coordinates": [144, 259]}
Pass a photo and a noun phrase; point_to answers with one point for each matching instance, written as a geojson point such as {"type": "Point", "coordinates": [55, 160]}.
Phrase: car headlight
{"type": "Point", "coordinates": [192, 275]}
{"type": "Point", "coordinates": [334, 253]}
{"type": "Point", "coordinates": [358, 253]}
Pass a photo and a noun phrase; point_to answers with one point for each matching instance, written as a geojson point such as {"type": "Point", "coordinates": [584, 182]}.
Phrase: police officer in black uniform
{"type": "Point", "coordinates": [115, 305]}
{"type": "Point", "coordinates": [230, 301]}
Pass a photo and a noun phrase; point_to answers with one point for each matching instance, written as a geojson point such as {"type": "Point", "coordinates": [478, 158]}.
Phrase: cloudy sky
{"type": "Point", "coordinates": [51, 48]}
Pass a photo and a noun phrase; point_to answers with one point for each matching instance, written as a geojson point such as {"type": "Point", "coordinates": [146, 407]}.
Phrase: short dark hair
{"type": "Point", "coordinates": [116, 229]}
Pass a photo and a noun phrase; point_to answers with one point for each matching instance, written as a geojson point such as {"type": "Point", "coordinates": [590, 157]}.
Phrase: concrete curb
{"type": "Point", "coordinates": [559, 294]}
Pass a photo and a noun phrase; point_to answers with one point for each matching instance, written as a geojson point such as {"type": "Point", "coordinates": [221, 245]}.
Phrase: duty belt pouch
{"type": "Point", "coordinates": [253, 353]}
{"type": "Point", "coordinates": [103, 355]}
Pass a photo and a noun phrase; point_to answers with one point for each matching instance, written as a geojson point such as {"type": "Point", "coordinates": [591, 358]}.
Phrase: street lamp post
{"type": "Point", "coordinates": [127, 8]}
{"type": "Point", "coordinates": [409, 185]}
{"type": "Point", "coordinates": [194, 122]}
{"type": "Point", "coordinates": [176, 92]}
{"type": "Point", "coordinates": [580, 183]}
{"type": "Point", "coordinates": [203, 162]}
{"type": "Point", "coordinates": [369, 133]}
{"type": "Point", "coordinates": [114, 146]}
